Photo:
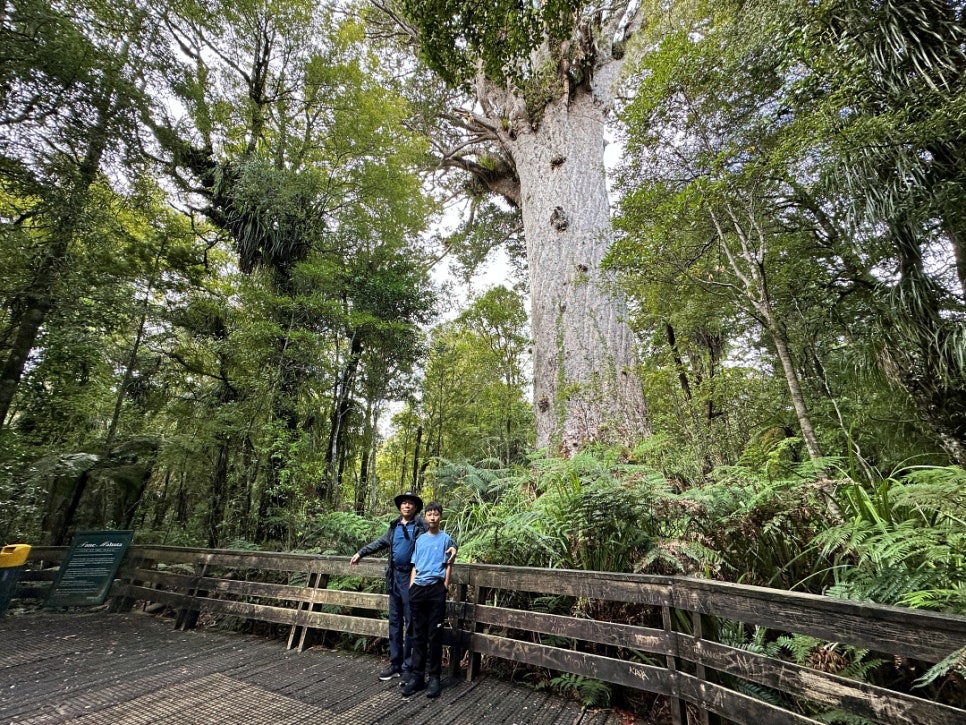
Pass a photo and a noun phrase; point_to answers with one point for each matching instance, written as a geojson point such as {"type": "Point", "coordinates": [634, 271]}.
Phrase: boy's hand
{"type": "Point", "coordinates": [450, 555]}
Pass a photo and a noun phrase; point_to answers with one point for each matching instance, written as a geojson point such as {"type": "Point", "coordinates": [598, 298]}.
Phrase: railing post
{"type": "Point", "coordinates": [188, 613]}
{"type": "Point", "coordinates": [300, 630]}
{"type": "Point", "coordinates": [459, 642]}
{"type": "Point", "coordinates": [679, 711]}
{"type": "Point", "coordinates": [129, 575]}
{"type": "Point", "coordinates": [479, 596]}
{"type": "Point", "coordinates": [702, 627]}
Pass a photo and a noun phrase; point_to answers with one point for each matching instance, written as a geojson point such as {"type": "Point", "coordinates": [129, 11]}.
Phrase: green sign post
{"type": "Point", "coordinates": [85, 576]}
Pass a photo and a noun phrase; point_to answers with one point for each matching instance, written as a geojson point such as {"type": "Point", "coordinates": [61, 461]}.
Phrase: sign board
{"type": "Point", "coordinates": [86, 574]}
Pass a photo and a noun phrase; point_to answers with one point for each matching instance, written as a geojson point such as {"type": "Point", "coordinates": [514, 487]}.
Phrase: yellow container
{"type": "Point", "coordinates": [14, 555]}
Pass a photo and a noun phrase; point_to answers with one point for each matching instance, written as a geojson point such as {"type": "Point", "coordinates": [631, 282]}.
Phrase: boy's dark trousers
{"type": "Point", "coordinates": [428, 607]}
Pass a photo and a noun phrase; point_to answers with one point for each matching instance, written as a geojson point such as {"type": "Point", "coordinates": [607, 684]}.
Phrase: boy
{"type": "Point", "coordinates": [427, 601]}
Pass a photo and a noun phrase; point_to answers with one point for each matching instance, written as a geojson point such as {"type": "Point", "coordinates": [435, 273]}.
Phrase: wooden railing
{"type": "Point", "coordinates": [662, 638]}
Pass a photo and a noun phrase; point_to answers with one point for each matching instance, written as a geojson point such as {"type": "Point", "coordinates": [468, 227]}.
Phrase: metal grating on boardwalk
{"type": "Point", "coordinates": [97, 668]}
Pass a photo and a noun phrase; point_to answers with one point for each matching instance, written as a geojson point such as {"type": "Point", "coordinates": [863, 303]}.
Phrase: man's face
{"type": "Point", "coordinates": [432, 518]}
{"type": "Point", "coordinates": [406, 508]}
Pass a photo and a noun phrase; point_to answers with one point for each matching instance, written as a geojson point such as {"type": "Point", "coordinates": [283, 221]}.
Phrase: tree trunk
{"type": "Point", "coordinates": [161, 505]}
{"type": "Point", "coordinates": [586, 384]}
{"type": "Point", "coordinates": [135, 350]}
{"type": "Point", "coordinates": [276, 497]}
{"type": "Point", "coordinates": [536, 137]}
{"type": "Point", "coordinates": [38, 301]}
{"type": "Point", "coordinates": [416, 454]}
{"type": "Point", "coordinates": [678, 361]}
{"type": "Point", "coordinates": [795, 392]}
{"type": "Point", "coordinates": [362, 485]}
{"type": "Point", "coordinates": [746, 261]}
{"type": "Point", "coordinates": [338, 419]}
{"type": "Point", "coordinates": [219, 491]}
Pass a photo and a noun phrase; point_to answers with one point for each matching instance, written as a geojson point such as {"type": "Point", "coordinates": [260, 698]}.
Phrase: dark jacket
{"type": "Point", "coordinates": [385, 541]}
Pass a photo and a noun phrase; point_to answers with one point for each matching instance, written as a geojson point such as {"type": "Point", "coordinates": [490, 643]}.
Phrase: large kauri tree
{"type": "Point", "coordinates": [540, 79]}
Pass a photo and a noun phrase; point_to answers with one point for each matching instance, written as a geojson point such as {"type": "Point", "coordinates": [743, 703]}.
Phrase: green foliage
{"type": "Point", "coordinates": [21, 499]}
{"type": "Point", "coordinates": [762, 529]}
{"type": "Point", "coordinates": [954, 663]}
{"type": "Point", "coordinates": [901, 546]}
{"type": "Point", "coordinates": [902, 540]}
{"type": "Point", "coordinates": [501, 35]}
{"type": "Point", "coordinates": [470, 405]}
{"type": "Point", "coordinates": [851, 662]}
{"type": "Point", "coordinates": [341, 533]}
{"type": "Point", "coordinates": [590, 693]}
{"type": "Point", "coordinates": [582, 513]}
{"type": "Point", "coordinates": [789, 174]}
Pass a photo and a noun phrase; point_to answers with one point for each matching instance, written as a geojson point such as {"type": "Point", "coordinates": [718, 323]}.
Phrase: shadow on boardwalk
{"type": "Point", "coordinates": [96, 667]}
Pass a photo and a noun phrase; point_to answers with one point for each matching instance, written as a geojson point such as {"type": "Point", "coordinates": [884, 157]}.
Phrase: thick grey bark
{"type": "Point", "coordinates": [586, 384]}
{"type": "Point", "coordinates": [544, 152]}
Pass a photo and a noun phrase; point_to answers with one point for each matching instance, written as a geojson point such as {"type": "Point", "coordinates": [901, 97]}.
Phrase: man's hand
{"type": "Point", "coordinates": [451, 555]}
{"type": "Point", "coordinates": [354, 560]}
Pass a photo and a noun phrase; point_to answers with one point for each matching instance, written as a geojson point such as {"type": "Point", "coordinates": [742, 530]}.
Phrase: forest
{"type": "Point", "coordinates": [240, 302]}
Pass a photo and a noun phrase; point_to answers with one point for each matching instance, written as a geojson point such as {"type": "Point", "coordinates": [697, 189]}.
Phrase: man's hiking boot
{"type": "Point", "coordinates": [389, 674]}
{"type": "Point", "coordinates": [434, 687]}
{"type": "Point", "coordinates": [414, 685]}
{"type": "Point", "coordinates": [405, 678]}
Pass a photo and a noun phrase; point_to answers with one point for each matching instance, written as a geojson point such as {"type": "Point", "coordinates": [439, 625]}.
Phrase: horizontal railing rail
{"type": "Point", "coordinates": [652, 633]}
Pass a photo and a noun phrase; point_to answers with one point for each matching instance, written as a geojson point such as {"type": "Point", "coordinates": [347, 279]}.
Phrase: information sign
{"type": "Point", "coordinates": [85, 576]}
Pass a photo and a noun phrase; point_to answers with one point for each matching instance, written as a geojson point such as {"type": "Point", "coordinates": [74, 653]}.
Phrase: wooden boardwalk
{"type": "Point", "coordinates": [98, 668]}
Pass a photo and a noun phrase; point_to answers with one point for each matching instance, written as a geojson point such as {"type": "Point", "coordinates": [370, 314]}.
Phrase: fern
{"type": "Point", "coordinates": [845, 661]}
{"type": "Point", "coordinates": [594, 511]}
{"type": "Point", "coordinates": [590, 693]}
{"type": "Point", "coordinates": [762, 528]}
{"type": "Point", "coordinates": [904, 541]}
{"type": "Point", "coordinates": [954, 663]}
{"type": "Point", "coordinates": [341, 533]}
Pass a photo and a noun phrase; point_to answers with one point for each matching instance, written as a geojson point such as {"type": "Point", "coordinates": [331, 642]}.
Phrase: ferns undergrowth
{"type": "Point", "coordinates": [815, 527]}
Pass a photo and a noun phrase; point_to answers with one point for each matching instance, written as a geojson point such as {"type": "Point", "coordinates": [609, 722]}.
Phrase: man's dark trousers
{"type": "Point", "coordinates": [400, 621]}
{"type": "Point", "coordinates": [428, 605]}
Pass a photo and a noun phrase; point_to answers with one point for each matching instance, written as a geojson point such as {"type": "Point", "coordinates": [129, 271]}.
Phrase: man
{"type": "Point", "coordinates": [400, 540]}
{"type": "Point", "coordinates": [432, 559]}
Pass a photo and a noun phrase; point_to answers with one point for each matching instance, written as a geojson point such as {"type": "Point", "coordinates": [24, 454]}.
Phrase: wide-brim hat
{"type": "Point", "coordinates": [412, 497]}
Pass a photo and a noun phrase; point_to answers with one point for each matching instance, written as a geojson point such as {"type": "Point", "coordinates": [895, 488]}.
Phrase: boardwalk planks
{"type": "Point", "coordinates": [662, 641]}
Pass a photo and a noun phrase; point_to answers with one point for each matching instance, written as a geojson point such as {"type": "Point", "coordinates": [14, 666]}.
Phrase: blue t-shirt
{"type": "Point", "coordinates": [402, 544]}
{"type": "Point", "coordinates": [430, 557]}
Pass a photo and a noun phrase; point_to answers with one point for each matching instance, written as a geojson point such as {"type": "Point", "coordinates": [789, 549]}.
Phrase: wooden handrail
{"type": "Point", "coordinates": [670, 650]}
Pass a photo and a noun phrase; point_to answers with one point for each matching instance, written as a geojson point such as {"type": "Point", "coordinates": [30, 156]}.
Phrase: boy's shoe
{"type": "Point", "coordinates": [413, 686]}
{"type": "Point", "coordinates": [405, 678]}
{"type": "Point", "coordinates": [389, 674]}
{"type": "Point", "coordinates": [434, 687]}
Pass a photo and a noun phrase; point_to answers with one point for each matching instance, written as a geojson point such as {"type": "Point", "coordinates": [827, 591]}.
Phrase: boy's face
{"type": "Point", "coordinates": [432, 518]}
